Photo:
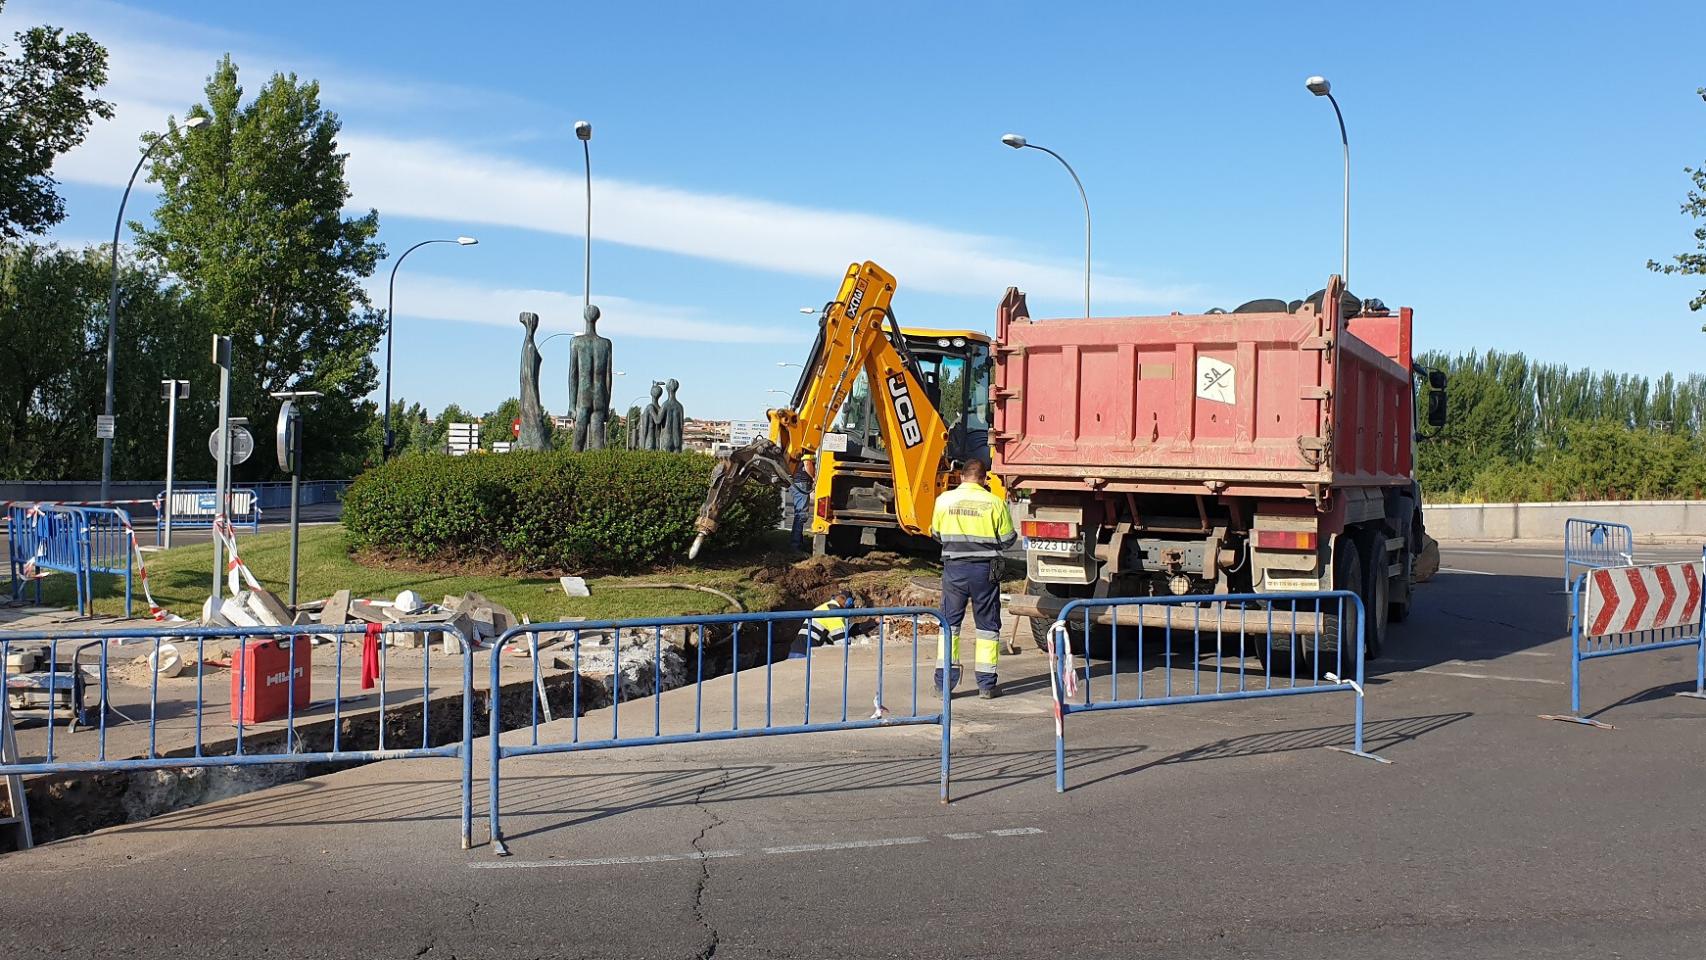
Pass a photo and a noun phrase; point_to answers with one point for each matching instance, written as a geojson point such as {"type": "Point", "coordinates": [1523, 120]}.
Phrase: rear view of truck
{"type": "Point", "coordinates": [1266, 450]}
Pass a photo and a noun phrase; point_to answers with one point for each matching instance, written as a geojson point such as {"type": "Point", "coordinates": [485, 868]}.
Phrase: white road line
{"type": "Point", "coordinates": [724, 854]}
{"type": "Point", "coordinates": [845, 845]}
{"type": "Point", "coordinates": [1489, 676]}
{"type": "Point", "coordinates": [1478, 573]}
{"type": "Point", "coordinates": [606, 861]}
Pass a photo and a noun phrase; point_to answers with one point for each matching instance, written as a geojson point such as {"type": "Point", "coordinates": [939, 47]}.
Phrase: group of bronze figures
{"type": "Point", "coordinates": [660, 426]}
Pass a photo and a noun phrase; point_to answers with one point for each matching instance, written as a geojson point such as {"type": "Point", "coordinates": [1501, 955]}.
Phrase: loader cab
{"type": "Point", "coordinates": [955, 366]}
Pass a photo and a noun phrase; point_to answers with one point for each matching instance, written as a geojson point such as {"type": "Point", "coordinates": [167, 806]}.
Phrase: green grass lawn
{"type": "Point", "coordinates": [181, 577]}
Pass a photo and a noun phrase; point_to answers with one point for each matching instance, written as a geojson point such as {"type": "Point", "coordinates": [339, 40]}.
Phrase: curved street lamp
{"type": "Point", "coordinates": [583, 132]}
{"type": "Point", "coordinates": [1017, 142]}
{"type": "Point", "coordinates": [1321, 88]}
{"type": "Point", "coordinates": [190, 123]}
{"type": "Point", "coordinates": [390, 321]}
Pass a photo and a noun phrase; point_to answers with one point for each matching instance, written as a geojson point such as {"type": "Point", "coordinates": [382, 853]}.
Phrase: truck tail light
{"type": "Point", "coordinates": [823, 510]}
{"type": "Point", "coordinates": [1285, 540]}
{"type": "Point", "coordinates": [1048, 530]}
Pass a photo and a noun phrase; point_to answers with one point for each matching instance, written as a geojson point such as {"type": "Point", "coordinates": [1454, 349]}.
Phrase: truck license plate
{"type": "Point", "coordinates": [1058, 547]}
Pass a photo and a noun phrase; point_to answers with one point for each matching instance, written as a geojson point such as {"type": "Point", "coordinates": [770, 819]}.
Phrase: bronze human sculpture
{"type": "Point", "coordinates": [674, 421]}
{"type": "Point", "coordinates": [651, 422]}
{"type": "Point", "coordinates": [534, 433]}
{"type": "Point", "coordinates": [590, 374]}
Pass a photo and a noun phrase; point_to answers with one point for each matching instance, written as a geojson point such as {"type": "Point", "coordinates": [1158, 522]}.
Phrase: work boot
{"type": "Point", "coordinates": [988, 693]}
{"type": "Point", "coordinates": [953, 679]}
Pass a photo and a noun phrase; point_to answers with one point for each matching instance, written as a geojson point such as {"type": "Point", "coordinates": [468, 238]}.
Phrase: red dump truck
{"type": "Point", "coordinates": [1266, 450]}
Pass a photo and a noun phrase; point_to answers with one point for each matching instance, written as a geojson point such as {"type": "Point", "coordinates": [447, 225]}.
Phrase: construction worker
{"type": "Point", "coordinates": [818, 631]}
{"type": "Point", "coordinates": [973, 526]}
{"type": "Point", "coordinates": [805, 478]}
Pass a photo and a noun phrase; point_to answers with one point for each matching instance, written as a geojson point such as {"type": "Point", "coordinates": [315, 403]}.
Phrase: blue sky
{"type": "Point", "coordinates": [1514, 165]}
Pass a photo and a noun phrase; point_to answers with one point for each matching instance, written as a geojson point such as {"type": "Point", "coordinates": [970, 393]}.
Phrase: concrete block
{"type": "Point", "coordinates": [574, 586]}
{"type": "Point", "coordinates": [368, 612]}
{"type": "Point", "coordinates": [267, 608]}
{"type": "Point", "coordinates": [235, 612]}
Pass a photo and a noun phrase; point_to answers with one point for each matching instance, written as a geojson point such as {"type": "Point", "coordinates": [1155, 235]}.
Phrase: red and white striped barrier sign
{"type": "Point", "coordinates": [1650, 596]}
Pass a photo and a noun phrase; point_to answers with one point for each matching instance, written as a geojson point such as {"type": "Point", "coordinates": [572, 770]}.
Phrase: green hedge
{"type": "Point", "coordinates": [611, 510]}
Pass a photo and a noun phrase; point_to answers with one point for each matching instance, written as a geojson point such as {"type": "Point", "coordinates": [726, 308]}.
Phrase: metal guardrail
{"type": "Point", "coordinates": [760, 627]}
{"type": "Point", "coordinates": [194, 508]}
{"type": "Point", "coordinates": [1292, 626]}
{"type": "Point", "coordinates": [1635, 609]}
{"type": "Point", "coordinates": [295, 702]}
{"type": "Point", "coordinates": [1596, 543]}
{"type": "Point", "coordinates": [79, 540]}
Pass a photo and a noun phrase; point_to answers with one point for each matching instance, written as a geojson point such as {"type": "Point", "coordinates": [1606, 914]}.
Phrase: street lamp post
{"type": "Point", "coordinates": [112, 307]}
{"type": "Point", "coordinates": [1321, 88]}
{"type": "Point", "coordinates": [583, 132]}
{"type": "Point", "coordinates": [1017, 142]}
{"type": "Point", "coordinates": [390, 321]}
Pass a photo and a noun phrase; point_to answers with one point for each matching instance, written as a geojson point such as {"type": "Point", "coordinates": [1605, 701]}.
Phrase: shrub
{"type": "Point", "coordinates": [610, 510]}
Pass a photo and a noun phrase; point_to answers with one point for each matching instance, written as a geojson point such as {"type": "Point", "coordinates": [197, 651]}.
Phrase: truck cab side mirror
{"type": "Point", "coordinates": [1436, 399]}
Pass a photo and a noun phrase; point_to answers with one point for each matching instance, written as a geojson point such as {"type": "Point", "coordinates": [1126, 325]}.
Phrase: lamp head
{"type": "Point", "coordinates": [1318, 86]}
{"type": "Point", "coordinates": [583, 130]}
{"type": "Point", "coordinates": [192, 122]}
{"type": "Point", "coordinates": [1013, 140]}
{"type": "Point", "coordinates": [467, 241]}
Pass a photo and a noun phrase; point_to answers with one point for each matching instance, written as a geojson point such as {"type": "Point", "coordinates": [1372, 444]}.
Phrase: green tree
{"type": "Point", "coordinates": [53, 304]}
{"type": "Point", "coordinates": [47, 103]}
{"type": "Point", "coordinates": [251, 220]}
{"type": "Point", "coordinates": [1691, 264]}
{"type": "Point", "coordinates": [498, 426]}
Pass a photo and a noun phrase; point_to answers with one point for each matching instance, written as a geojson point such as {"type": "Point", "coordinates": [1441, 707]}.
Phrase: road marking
{"type": "Point", "coordinates": [1489, 676]}
{"type": "Point", "coordinates": [698, 855]}
{"type": "Point", "coordinates": [609, 861]}
{"type": "Point", "coordinates": [845, 845]}
{"type": "Point", "coordinates": [1478, 573]}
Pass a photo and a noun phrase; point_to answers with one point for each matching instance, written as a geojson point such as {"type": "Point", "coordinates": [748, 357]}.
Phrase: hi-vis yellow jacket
{"type": "Point", "coordinates": [972, 524]}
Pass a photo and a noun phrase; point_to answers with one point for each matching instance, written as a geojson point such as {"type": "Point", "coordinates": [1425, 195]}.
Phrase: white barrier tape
{"type": "Point", "coordinates": [235, 566]}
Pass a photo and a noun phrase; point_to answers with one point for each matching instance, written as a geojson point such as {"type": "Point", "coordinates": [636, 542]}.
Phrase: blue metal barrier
{"type": "Point", "coordinates": [107, 548]}
{"type": "Point", "coordinates": [158, 757]}
{"type": "Point", "coordinates": [1596, 543]}
{"type": "Point", "coordinates": [762, 628]}
{"type": "Point", "coordinates": [1295, 623]}
{"type": "Point", "coordinates": [195, 509]}
{"type": "Point", "coordinates": [45, 537]}
{"type": "Point", "coordinates": [1635, 609]}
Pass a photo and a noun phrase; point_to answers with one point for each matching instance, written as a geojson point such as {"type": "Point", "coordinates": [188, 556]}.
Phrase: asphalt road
{"type": "Point", "coordinates": [1215, 830]}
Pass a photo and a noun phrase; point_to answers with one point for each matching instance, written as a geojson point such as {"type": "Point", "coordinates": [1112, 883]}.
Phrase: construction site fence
{"type": "Point", "coordinates": [193, 508]}
{"type": "Point", "coordinates": [1197, 649]}
{"type": "Point", "coordinates": [1589, 544]}
{"type": "Point", "coordinates": [855, 701]}
{"type": "Point", "coordinates": [78, 540]}
{"type": "Point", "coordinates": [1635, 608]}
{"type": "Point", "coordinates": [56, 693]}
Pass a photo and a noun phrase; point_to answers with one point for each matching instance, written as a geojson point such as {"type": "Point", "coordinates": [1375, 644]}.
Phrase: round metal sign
{"type": "Point", "coordinates": [242, 444]}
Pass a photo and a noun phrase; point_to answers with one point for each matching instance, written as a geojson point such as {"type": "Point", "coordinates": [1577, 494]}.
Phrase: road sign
{"type": "Point", "coordinates": [242, 444]}
{"type": "Point", "coordinates": [515, 427]}
{"type": "Point", "coordinates": [103, 427]}
{"type": "Point", "coordinates": [1652, 596]}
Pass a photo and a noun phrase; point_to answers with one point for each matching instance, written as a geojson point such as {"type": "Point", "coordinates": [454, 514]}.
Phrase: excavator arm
{"type": "Point", "coordinates": [856, 333]}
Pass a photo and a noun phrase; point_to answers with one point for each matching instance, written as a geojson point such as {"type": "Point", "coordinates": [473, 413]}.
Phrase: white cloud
{"type": "Point", "coordinates": [441, 298]}
{"type": "Point", "coordinates": [434, 180]}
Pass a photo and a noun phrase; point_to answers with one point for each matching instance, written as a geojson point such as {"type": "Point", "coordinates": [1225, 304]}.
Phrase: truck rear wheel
{"type": "Point", "coordinates": [1347, 575]}
{"type": "Point", "coordinates": [1041, 627]}
{"type": "Point", "coordinates": [1377, 590]}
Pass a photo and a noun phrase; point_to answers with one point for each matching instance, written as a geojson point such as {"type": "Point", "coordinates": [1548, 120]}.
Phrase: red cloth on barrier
{"type": "Point", "coordinates": [370, 655]}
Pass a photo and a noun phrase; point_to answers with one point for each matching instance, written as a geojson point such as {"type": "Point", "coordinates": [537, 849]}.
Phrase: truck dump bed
{"type": "Point", "coordinates": [1279, 403]}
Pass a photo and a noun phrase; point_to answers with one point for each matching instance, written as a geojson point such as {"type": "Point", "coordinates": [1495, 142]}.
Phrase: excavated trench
{"type": "Point", "coordinates": [73, 804]}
